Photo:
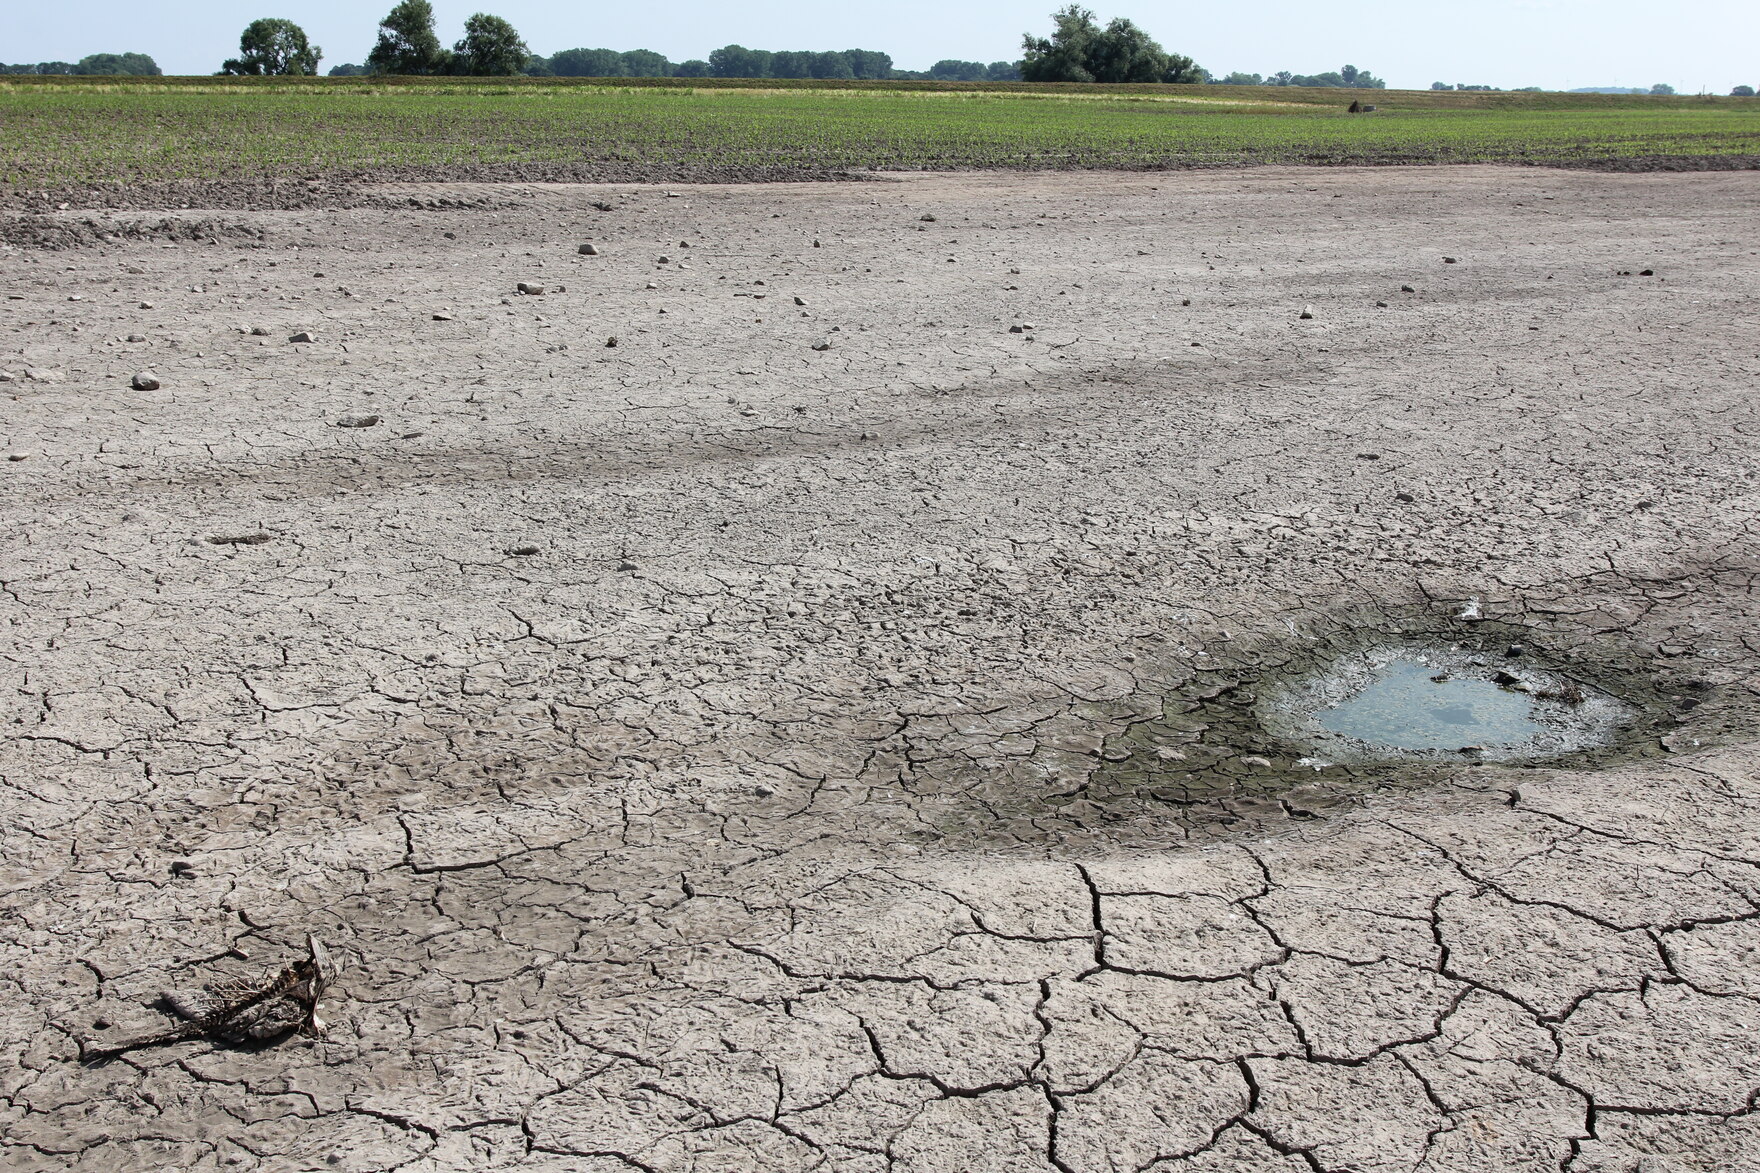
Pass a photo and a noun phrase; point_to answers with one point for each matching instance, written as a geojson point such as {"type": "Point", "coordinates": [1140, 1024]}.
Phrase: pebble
{"type": "Point", "coordinates": [255, 539]}
{"type": "Point", "coordinates": [443, 317]}
{"type": "Point", "coordinates": [259, 332]}
{"type": "Point", "coordinates": [612, 341]}
{"type": "Point", "coordinates": [1307, 311]}
{"type": "Point", "coordinates": [136, 338]}
{"type": "Point", "coordinates": [588, 250]}
{"type": "Point", "coordinates": [529, 289]}
{"type": "Point", "coordinates": [652, 285]}
{"type": "Point", "coordinates": [825, 345]}
{"type": "Point", "coordinates": [927, 218]}
{"type": "Point", "coordinates": [525, 551]}
{"type": "Point", "coordinates": [1449, 261]}
{"type": "Point", "coordinates": [146, 305]}
{"type": "Point", "coordinates": [1255, 760]}
{"type": "Point", "coordinates": [626, 564]}
{"type": "Point", "coordinates": [1407, 289]}
{"type": "Point", "coordinates": [800, 301]}
{"type": "Point", "coordinates": [357, 421]}
{"type": "Point", "coordinates": [1380, 305]}
{"type": "Point", "coordinates": [665, 260]}
{"type": "Point", "coordinates": [302, 336]}
{"type": "Point", "coordinates": [144, 381]}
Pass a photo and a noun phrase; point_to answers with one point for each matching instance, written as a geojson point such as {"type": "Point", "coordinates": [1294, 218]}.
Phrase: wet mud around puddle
{"type": "Point", "coordinates": [1379, 699]}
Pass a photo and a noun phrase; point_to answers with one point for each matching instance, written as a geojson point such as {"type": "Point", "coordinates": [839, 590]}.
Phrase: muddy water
{"type": "Point", "coordinates": [1382, 699]}
{"type": "Point", "coordinates": [1411, 706]}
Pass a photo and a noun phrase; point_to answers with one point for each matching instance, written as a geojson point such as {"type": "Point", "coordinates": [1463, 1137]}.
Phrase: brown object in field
{"type": "Point", "coordinates": [238, 1012]}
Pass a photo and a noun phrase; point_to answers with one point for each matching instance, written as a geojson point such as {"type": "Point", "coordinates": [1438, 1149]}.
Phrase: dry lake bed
{"type": "Point", "coordinates": [819, 686]}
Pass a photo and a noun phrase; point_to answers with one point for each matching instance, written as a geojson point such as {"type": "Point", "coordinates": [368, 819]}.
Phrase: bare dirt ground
{"type": "Point", "coordinates": [756, 816]}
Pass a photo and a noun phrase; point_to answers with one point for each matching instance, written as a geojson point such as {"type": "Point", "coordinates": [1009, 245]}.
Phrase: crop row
{"type": "Point", "coordinates": [59, 137]}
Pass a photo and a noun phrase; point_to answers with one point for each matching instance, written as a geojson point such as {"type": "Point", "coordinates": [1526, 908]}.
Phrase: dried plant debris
{"type": "Point", "coordinates": [239, 1011]}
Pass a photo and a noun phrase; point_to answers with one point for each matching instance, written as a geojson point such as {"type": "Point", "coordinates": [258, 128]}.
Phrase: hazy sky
{"type": "Point", "coordinates": [1559, 44]}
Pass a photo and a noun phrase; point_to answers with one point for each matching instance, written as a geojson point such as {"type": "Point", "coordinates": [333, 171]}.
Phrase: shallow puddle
{"type": "Point", "coordinates": [1409, 705]}
{"type": "Point", "coordinates": [1428, 701]}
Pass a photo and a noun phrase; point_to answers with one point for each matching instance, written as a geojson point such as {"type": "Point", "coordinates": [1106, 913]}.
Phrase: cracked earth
{"type": "Point", "coordinates": [696, 750]}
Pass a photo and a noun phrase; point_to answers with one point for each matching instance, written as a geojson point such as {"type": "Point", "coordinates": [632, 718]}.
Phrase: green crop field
{"type": "Point", "coordinates": [62, 134]}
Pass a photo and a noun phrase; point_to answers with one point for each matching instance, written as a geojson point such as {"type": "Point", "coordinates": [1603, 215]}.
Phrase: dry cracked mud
{"type": "Point", "coordinates": [728, 751]}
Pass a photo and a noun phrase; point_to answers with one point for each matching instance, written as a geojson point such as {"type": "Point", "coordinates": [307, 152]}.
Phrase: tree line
{"type": "Point", "coordinates": [96, 65]}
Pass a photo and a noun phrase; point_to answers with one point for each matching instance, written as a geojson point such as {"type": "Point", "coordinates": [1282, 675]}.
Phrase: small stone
{"type": "Point", "coordinates": [1646, 272]}
{"type": "Point", "coordinates": [800, 301]}
{"type": "Point", "coordinates": [302, 336]}
{"type": "Point", "coordinates": [255, 539]}
{"type": "Point", "coordinates": [1404, 498]}
{"type": "Point", "coordinates": [651, 285]}
{"type": "Point", "coordinates": [146, 305]}
{"type": "Point", "coordinates": [665, 260]}
{"type": "Point", "coordinates": [443, 317]}
{"type": "Point", "coordinates": [529, 289]}
{"type": "Point", "coordinates": [1307, 312]}
{"type": "Point", "coordinates": [1449, 261]}
{"type": "Point", "coordinates": [136, 338]}
{"type": "Point", "coordinates": [144, 381]}
{"type": "Point", "coordinates": [259, 332]}
{"type": "Point", "coordinates": [1017, 330]}
{"type": "Point", "coordinates": [1407, 289]}
{"type": "Point", "coordinates": [1256, 761]}
{"type": "Point", "coordinates": [1185, 301]}
{"type": "Point", "coordinates": [450, 235]}
{"type": "Point", "coordinates": [525, 551]}
{"type": "Point", "coordinates": [611, 341]}
{"type": "Point", "coordinates": [815, 244]}
{"type": "Point", "coordinates": [825, 345]}
{"type": "Point", "coordinates": [357, 421]}
{"type": "Point", "coordinates": [927, 218]}
{"type": "Point", "coordinates": [626, 565]}
{"type": "Point", "coordinates": [76, 297]}
{"type": "Point", "coordinates": [588, 250]}
{"type": "Point", "coordinates": [1380, 305]}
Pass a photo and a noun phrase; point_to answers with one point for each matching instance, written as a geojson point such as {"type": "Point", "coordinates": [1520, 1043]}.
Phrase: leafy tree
{"type": "Point", "coordinates": [1125, 53]}
{"type": "Point", "coordinates": [1003, 71]}
{"type": "Point", "coordinates": [1182, 70]}
{"type": "Point", "coordinates": [739, 61]}
{"type": "Point", "coordinates": [953, 70]}
{"type": "Point", "coordinates": [1064, 55]}
{"type": "Point", "coordinates": [868, 63]}
{"type": "Point", "coordinates": [645, 63]}
{"type": "Point", "coordinates": [691, 68]}
{"type": "Point", "coordinates": [491, 47]}
{"type": "Point", "coordinates": [537, 65]}
{"type": "Point", "coordinates": [588, 63]}
{"type": "Point", "coordinates": [790, 63]}
{"type": "Point", "coordinates": [1742, 92]}
{"type": "Point", "coordinates": [1243, 79]}
{"type": "Point", "coordinates": [1440, 85]}
{"type": "Point", "coordinates": [276, 47]}
{"type": "Point", "coordinates": [106, 65]}
{"type": "Point", "coordinates": [348, 71]}
{"type": "Point", "coordinates": [829, 65]}
{"type": "Point", "coordinates": [407, 42]}
{"type": "Point", "coordinates": [1661, 88]}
